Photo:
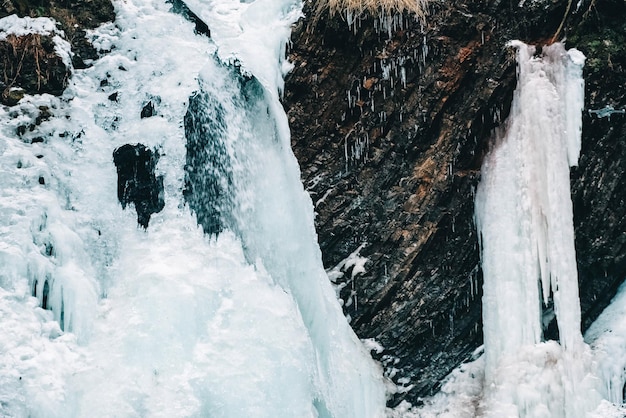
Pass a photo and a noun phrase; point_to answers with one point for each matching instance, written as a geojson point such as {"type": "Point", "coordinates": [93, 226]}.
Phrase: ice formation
{"type": "Point", "coordinates": [167, 322]}
{"type": "Point", "coordinates": [524, 216]}
{"type": "Point", "coordinates": [524, 209]}
{"type": "Point", "coordinates": [607, 338]}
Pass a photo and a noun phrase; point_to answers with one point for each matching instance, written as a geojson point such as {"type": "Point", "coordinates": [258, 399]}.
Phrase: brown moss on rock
{"type": "Point", "coordinates": [31, 64]}
{"type": "Point", "coordinates": [75, 17]}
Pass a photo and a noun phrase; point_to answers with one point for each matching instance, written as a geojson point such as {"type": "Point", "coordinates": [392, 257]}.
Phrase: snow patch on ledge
{"type": "Point", "coordinates": [21, 26]}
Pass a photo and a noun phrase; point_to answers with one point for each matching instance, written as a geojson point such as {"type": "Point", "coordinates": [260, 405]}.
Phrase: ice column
{"type": "Point", "coordinates": [524, 208]}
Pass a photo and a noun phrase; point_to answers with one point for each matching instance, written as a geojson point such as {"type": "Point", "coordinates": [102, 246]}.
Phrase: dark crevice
{"type": "Point", "coordinates": [45, 294]}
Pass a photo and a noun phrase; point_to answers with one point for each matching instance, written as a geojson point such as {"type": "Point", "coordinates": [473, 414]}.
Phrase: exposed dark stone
{"type": "Point", "coordinates": [179, 6]}
{"type": "Point", "coordinates": [137, 182]}
{"type": "Point", "coordinates": [12, 96]}
{"type": "Point", "coordinates": [414, 128]}
{"type": "Point", "coordinates": [45, 294]}
{"type": "Point", "coordinates": [148, 110]}
{"type": "Point", "coordinates": [31, 64]}
{"type": "Point", "coordinates": [599, 182]}
{"type": "Point", "coordinates": [42, 181]}
{"type": "Point", "coordinates": [113, 97]}
{"type": "Point", "coordinates": [49, 249]}
{"type": "Point", "coordinates": [44, 114]}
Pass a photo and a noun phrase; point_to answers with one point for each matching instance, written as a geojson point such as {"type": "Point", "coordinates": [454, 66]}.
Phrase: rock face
{"type": "Point", "coordinates": [74, 17]}
{"type": "Point", "coordinates": [599, 183]}
{"type": "Point", "coordinates": [137, 182]}
{"type": "Point", "coordinates": [390, 121]}
{"type": "Point", "coordinates": [29, 64]}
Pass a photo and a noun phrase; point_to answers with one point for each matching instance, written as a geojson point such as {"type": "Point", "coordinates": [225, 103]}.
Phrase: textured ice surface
{"type": "Point", "coordinates": [164, 322]}
{"type": "Point", "coordinates": [607, 337]}
{"type": "Point", "coordinates": [524, 217]}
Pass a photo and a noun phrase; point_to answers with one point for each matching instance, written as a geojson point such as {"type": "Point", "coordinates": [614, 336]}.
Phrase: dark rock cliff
{"type": "Point", "coordinates": [137, 182]}
{"type": "Point", "coordinates": [390, 128]}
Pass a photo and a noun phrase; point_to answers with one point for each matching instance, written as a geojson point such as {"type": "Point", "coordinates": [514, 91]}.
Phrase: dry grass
{"type": "Point", "coordinates": [357, 8]}
{"type": "Point", "coordinates": [20, 48]}
{"type": "Point", "coordinates": [31, 63]}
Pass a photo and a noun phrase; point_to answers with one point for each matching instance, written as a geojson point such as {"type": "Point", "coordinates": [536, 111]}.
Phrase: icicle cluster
{"type": "Point", "coordinates": [524, 216]}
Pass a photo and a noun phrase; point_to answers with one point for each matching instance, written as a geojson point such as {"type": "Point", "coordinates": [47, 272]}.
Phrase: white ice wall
{"type": "Point", "coordinates": [524, 217]}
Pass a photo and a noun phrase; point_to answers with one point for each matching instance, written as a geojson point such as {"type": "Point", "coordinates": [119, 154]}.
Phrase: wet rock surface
{"type": "Point", "coordinates": [137, 182]}
{"type": "Point", "coordinates": [390, 130]}
{"type": "Point", "coordinates": [599, 182]}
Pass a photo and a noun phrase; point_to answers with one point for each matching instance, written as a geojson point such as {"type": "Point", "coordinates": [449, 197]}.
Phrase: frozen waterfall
{"type": "Point", "coordinates": [524, 209]}
{"type": "Point", "coordinates": [169, 321]}
{"type": "Point", "coordinates": [524, 218]}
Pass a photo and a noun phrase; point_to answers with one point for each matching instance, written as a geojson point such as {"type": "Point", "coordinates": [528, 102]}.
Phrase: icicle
{"type": "Point", "coordinates": [524, 217]}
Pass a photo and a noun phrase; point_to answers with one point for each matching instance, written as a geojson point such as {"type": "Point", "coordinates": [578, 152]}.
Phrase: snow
{"type": "Point", "coordinates": [460, 396]}
{"type": "Point", "coordinates": [354, 263]}
{"type": "Point", "coordinates": [167, 322]}
{"type": "Point", "coordinates": [13, 25]}
{"type": "Point", "coordinates": [20, 26]}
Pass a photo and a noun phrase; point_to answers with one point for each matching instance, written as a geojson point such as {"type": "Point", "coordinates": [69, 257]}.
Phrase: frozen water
{"type": "Point", "coordinates": [607, 337]}
{"type": "Point", "coordinates": [167, 322]}
{"type": "Point", "coordinates": [252, 33]}
{"type": "Point", "coordinates": [524, 217]}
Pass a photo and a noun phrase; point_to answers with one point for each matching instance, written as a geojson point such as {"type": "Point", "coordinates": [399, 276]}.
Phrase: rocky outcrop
{"type": "Point", "coordinates": [390, 121]}
{"type": "Point", "coordinates": [137, 182]}
{"type": "Point", "coordinates": [30, 64]}
{"type": "Point", "coordinates": [599, 182]}
{"type": "Point", "coordinates": [74, 18]}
